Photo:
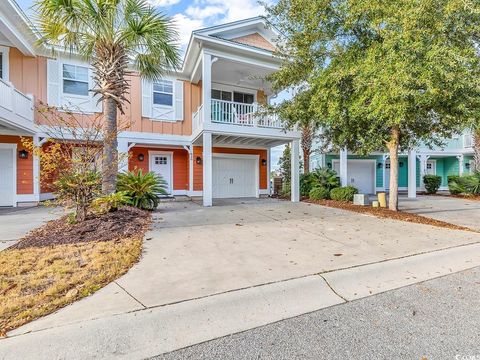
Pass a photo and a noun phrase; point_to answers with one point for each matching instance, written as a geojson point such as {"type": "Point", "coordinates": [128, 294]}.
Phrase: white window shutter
{"type": "Point", "coordinates": [95, 106]}
{"type": "Point", "coordinates": [147, 98]}
{"type": "Point", "coordinates": [178, 100]}
{"type": "Point", "coordinates": [53, 82]}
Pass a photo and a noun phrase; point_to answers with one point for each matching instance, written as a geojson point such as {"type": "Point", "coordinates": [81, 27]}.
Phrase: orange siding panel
{"type": "Point", "coordinates": [24, 166]}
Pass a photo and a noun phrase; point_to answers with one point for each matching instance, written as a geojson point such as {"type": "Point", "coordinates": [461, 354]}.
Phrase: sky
{"type": "Point", "coordinates": [189, 15]}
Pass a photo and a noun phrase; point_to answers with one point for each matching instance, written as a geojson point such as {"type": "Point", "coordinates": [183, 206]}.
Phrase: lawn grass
{"type": "Point", "coordinates": [36, 281]}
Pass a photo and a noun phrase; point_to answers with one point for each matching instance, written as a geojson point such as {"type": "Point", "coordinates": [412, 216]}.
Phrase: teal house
{"type": "Point", "coordinates": [371, 174]}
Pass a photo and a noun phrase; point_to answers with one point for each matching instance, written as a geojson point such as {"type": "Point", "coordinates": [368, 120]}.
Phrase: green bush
{"type": "Point", "coordinates": [467, 184]}
{"type": "Point", "coordinates": [432, 183]}
{"type": "Point", "coordinates": [344, 193]}
{"type": "Point", "coordinates": [319, 193]}
{"type": "Point", "coordinates": [307, 183]}
{"type": "Point", "coordinates": [144, 190]}
{"type": "Point", "coordinates": [453, 184]}
{"type": "Point", "coordinates": [325, 177]}
{"type": "Point", "coordinates": [111, 202]}
{"type": "Point", "coordinates": [286, 190]}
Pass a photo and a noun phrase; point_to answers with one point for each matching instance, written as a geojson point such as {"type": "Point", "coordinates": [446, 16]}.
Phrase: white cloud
{"type": "Point", "coordinates": [163, 3]}
{"type": "Point", "coordinates": [185, 25]}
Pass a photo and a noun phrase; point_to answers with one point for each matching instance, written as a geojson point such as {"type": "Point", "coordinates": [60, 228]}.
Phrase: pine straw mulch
{"type": "Point", "coordinates": [59, 263]}
{"type": "Point", "coordinates": [388, 214]}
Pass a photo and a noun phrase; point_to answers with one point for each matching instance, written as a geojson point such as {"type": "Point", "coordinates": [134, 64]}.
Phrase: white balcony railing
{"type": "Point", "coordinates": [468, 141]}
{"type": "Point", "coordinates": [197, 118]}
{"type": "Point", "coordinates": [233, 113]}
{"type": "Point", "coordinates": [15, 102]}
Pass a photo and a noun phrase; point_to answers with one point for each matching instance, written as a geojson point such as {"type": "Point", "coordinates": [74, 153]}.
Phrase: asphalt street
{"type": "Point", "coordinates": [436, 319]}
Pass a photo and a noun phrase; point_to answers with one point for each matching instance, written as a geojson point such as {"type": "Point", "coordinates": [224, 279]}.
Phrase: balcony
{"type": "Point", "coordinates": [236, 115]}
{"type": "Point", "coordinates": [468, 141]}
{"type": "Point", "coordinates": [16, 108]}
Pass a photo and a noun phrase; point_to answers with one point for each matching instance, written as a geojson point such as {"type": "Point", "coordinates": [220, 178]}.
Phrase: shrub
{"type": "Point", "coordinates": [467, 184]}
{"type": "Point", "coordinates": [110, 202]}
{"type": "Point", "coordinates": [344, 193]}
{"type": "Point", "coordinates": [325, 177]}
{"type": "Point", "coordinates": [453, 184]}
{"type": "Point", "coordinates": [79, 188]}
{"type": "Point", "coordinates": [144, 190]}
{"type": "Point", "coordinates": [307, 183]}
{"type": "Point", "coordinates": [319, 193]}
{"type": "Point", "coordinates": [432, 183]}
{"type": "Point", "coordinates": [286, 190]}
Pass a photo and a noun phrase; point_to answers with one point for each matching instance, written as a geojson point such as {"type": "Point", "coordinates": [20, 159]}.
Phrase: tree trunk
{"type": "Point", "coordinates": [476, 150]}
{"type": "Point", "coordinates": [110, 151]}
{"type": "Point", "coordinates": [392, 146]}
{"type": "Point", "coordinates": [306, 141]}
{"type": "Point", "coordinates": [306, 160]}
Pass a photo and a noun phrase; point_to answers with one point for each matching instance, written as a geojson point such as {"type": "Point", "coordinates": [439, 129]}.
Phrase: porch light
{"type": "Point", "coordinates": [264, 162]}
{"type": "Point", "coordinates": [329, 165]}
{"type": "Point", "coordinates": [198, 160]}
{"type": "Point", "coordinates": [467, 165]}
{"type": "Point", "coordinates": [379, 165]}
{"type": "Point", "coordinates": [23, 154]}
{"type": "Point", "coordinates": [140, 157]}
{"type": "Point", "coordinates": [400, 163]}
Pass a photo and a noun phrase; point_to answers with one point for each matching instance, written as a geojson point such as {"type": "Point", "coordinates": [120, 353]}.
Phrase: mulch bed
{"type": "Point", "coordinates": [388, 214]}
{"type": "Point", "coordinates": [113, 226]}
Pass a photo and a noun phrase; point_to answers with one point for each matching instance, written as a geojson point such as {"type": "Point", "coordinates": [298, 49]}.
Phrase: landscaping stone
{"type": "Point", "coordinates": [361, 199]}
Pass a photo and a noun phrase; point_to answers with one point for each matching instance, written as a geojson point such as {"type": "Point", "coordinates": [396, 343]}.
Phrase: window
{"type": "Point", "coordinates": [160, 160]}
{"type": "Point", "coordinates": [221, 95]}
{"type": "Point", "coordinates": [75, 80]}
{"type": "Point", "coordinates": [243, 98]}
{"type": "Point", "coordinates": [163, 93]}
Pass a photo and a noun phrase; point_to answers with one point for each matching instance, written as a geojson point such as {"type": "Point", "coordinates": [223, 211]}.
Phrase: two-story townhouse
{"type": "Point", "coordinates": [198, 127]}
{"type": "Point", "coordinates": [371, 174]}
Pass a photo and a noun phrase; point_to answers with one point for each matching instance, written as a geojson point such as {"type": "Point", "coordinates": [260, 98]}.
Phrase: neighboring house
{"type": "Point", "coordinates": [371, 174]}
{"type": "Point", "coordinates": [197, 127]}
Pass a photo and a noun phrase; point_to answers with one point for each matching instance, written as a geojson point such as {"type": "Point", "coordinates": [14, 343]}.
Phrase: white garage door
{"type": "Point", "coordinates": [234, 177]}
{"type": "Point", "coordinates": [6, 177]}
{"type": "Point", "coordinates": [361, 174]}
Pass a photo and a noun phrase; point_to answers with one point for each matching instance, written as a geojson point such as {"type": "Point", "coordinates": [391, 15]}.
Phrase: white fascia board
{"type": "Point", "coordinates": [271, 63]}
{"type": "Point", "coordinates": [15, 36]}
{"type": "Point", "coordinates": [246, 131]}
{"type": "Point", "coordinates": [152, 138]}
{"type": "Point", "coordinates": [233, 45]}
{"type": "Point", "coordinates": [231, 26]}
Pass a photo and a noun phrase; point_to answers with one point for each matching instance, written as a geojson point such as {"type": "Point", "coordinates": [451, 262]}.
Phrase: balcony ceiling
{"type": "Point", "coordinates": [222, 140]}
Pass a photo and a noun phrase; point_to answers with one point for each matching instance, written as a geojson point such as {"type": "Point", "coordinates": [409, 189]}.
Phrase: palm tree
{"type": "Point", "coordinates": [115, 36]}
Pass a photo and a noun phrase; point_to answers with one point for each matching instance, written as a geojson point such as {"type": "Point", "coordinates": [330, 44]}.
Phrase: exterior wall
{"type": "Point", "coordinates": [198, 169]}
{"type": "Point", "coordinates": [24, 166]}
{"type": "Point", "coordinates": [180, 164]}
{"type": "Point", "coordinates": [256, 40]}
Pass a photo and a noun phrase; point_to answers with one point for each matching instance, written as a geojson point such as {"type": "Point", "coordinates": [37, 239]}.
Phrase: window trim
{"type": "Point", "coordinates": [5, 50]}
{"type": "Point", "coordinates": [62, 77]}
{"type": "Point", "coordinates": [161, 92]}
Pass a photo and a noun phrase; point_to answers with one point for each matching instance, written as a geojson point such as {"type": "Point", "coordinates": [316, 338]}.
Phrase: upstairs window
{"type": "Point", "coordinates": [243, 98]}
{"type": "Point", "coordinates": [75, 80]}
{"type": "Point", "coordinates": [221, 95]}
{"type": "Point", "coordinates": [163, 93]}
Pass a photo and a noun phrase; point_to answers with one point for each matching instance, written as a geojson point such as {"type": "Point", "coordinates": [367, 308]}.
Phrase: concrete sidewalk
{"type": "Point", "coordinates": [147, 332]}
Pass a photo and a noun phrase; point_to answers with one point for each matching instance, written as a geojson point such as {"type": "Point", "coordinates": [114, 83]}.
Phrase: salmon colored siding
{"type": "Point", "coordinates": [180, 164]}
{"type": "Point", "coordinates": [24, 166]}
{"type": "Point", "coordinates": [198, 170]}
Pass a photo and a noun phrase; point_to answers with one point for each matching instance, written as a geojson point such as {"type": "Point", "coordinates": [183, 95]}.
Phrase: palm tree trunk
{"type": "Point", "coordinates": [306, 141]}
{"type": "Point", "coordinates": [476, 149]}
{"type": "Point", "coordinates": [306, 161]}
{"type": "Point", "coordinates": [110, 151]}
{"type": "Point", "coordinates": [392, 146]}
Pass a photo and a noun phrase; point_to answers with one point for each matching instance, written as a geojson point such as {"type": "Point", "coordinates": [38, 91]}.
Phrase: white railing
{"type": "Point", "coordinates": [468, 140]}
{"type": "Point", "coordinates": [229, 112]}
{"type": "Point", "coordinates": [197, 118]}
{"type": "Point", "coordinates": [16, 102]}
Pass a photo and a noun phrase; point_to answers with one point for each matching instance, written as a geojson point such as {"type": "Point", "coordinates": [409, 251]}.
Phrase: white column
{"type": "Point", "coordinates": [460, 164]}
{"type": "Point", "coordinates": [269, 170]}
{"type": "Point", "coordinates": [295, 168]}
{"type": "Point", "coordinates": [122, 155]}
{"type": "Point", "coordinates": [343, 167]}
{"type": "Point", "coordinates": [36, 170]}
{"type": "Point", "coordinates": [207, 87]}
{"type": "Point", "coordinates": [412, 174]}
{"type": "Point", "coordinates": [190, 169]}
{"type": "Point", "coordinates": [207, 169]}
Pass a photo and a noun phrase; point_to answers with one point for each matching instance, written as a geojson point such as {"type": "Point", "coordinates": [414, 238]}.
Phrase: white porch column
{"type": "Point", "coordinates": [343, 167]}
{"type": "Point", "coordinates": [207, 169]}
{"type": "Point", "coordinates": [269, 170]}
{"type": "Point", "coordinates": [460, 164]}
{"type": "Point", "coordinates": [122, 149]}
{"type": "Point", "coordinates": [423, 168]}
{"type": "Point", "coordinates": [36, 170]}
{"type": "Point", "coordinates": [295, 168]}
{"type": "Point", "coordinates": [412, 174]}
{"type": "Point", "coordinates": [207, 87]}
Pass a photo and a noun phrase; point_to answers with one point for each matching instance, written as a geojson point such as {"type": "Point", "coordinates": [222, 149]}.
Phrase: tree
{"type": "Point", "coordinates": [384, 74]}
{"type": "Point", "coordinates": [115, 36]}
{"type": "Point", "coordinates": [296, 112]}
{"type": "Point", "coordinates": [285, 165]}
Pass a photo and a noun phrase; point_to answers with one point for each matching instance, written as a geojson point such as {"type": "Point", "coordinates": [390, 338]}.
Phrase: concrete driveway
{"type": "Point", "coordinates": [457, 211]}
{"type": "Point", "coordinates": [16, 222]}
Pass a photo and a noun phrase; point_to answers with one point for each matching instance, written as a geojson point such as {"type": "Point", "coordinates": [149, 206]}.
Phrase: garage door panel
{"type": "Point", "coordinates": [233, 177]}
